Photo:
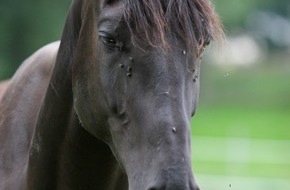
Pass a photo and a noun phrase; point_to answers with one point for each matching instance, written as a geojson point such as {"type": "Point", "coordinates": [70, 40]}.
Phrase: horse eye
{"type": "Point", "coordinates": [109, 41]}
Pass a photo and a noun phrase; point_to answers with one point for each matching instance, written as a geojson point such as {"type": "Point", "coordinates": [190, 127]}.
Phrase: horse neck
{"type": "Point", "coordinates": [86, 162]}
{"type": "Point", "coordinates": [77, 161]}
{"type": "Point", "coordinates": [62, 154]}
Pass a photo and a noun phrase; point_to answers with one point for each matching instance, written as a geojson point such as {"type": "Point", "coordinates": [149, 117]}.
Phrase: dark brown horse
{"type": "Point", "coordinates": [109, 106]}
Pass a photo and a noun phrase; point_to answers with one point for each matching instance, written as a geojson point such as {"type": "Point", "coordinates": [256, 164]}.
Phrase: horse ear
{"type": "Point", "coordinates": [86, 46]}
{"type": "Point", "coordinates": [85, 70]}
{"type": "Point", "coordinates": [76, 28]}
{"type": "Point", "coordinates": [68, 41]}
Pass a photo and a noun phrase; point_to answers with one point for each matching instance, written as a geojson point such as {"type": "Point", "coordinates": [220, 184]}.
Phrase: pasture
{"type": "Point", "coordinates": [241, 132]}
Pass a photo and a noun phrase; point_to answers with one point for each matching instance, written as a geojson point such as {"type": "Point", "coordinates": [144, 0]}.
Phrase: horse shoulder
{"type": "Point", "coordinates": [21, 100]}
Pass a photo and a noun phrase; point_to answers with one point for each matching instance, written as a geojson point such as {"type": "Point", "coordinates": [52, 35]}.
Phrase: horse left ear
{"type": "Point", "coordinates": [86, 45]}
{"type": "Point", "coordinates": [85, 69]}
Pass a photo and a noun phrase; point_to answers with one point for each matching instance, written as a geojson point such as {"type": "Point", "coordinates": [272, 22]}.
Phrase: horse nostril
{"type": "Point", "coordinates": [195, 187]}
{"type": "Point", "coordinates": [157, 188]}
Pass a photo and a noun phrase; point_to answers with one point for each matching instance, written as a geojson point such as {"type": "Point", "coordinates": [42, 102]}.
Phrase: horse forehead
{"type": "Point", "coordinates": [111, 11]}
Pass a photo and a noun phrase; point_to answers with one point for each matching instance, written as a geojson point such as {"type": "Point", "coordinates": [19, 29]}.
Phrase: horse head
{"type": "Point", "coordinates": [136, 83]}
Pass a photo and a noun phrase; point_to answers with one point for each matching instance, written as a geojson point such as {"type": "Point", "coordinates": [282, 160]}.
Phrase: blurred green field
{"type": "Point", "coordinates": [242, 143]}
{"type": "Point", "coordinates": [241, 132]}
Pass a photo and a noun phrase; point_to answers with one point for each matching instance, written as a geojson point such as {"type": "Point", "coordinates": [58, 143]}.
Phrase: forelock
{"type": "Point", "coordinates": [193, 21]}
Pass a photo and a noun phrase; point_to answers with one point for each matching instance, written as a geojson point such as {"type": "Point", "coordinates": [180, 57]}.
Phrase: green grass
{"type": "Point", "coordinates": [241, 131]}
{"type": "Point", "coordinates": [242, 122]}
{"type": "Point", "coordinates": [242, 143]}
{"type": "Point", "coordinates": [265, 85]}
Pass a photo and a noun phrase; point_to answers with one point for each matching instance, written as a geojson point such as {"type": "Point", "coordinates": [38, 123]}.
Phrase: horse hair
{"type": "Point", "coordinates": [193, 21]}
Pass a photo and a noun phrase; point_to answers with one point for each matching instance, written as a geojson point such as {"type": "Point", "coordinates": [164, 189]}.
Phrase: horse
{"type": "Point", "coordinates": [3, 86]}
{"type": "Point", "coordinates": [108, 107]}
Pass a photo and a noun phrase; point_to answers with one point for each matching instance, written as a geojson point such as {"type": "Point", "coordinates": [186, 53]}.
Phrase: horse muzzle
{"type": "Point", "coordinates": [175, 186]}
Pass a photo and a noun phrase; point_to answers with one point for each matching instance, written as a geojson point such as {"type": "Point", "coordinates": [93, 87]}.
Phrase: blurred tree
{"type": "Point", "coordinates": [25, 26]}
{"type": "Point", "coordinates": [234, 13]}
{"type": "Point", "coordinates": [281, 7]}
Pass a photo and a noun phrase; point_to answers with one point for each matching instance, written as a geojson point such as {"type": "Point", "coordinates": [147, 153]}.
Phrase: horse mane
{"type": "Point", "coordinates": [194, 21]}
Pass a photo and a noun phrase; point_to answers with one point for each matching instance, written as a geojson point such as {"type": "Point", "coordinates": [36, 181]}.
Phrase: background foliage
{"type": "Point", "coordinates": [25, 26]}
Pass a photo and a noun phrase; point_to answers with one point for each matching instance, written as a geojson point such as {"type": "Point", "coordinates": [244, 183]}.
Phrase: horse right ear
{"type": "Point", "coordinates": [69, 37]}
